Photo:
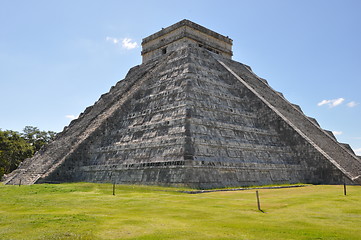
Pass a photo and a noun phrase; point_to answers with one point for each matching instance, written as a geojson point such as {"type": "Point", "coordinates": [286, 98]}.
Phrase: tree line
{"type": "Point", "coordinates": [15, 147]}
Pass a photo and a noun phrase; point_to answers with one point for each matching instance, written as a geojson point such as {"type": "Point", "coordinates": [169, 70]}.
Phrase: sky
{"type": "Point", "coordinates": [58, 57]}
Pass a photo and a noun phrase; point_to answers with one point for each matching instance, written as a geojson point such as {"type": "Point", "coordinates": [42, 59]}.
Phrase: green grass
{"type": "Point", "coordinates": [90, 211]}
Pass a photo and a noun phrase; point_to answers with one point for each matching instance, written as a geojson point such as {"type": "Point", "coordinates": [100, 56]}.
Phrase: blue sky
{"type": "Point", "coordinates": [58, 57]}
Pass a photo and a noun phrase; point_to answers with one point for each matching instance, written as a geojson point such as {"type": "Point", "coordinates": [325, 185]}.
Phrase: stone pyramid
{"type": "Point", "coordinates": [191, 116]}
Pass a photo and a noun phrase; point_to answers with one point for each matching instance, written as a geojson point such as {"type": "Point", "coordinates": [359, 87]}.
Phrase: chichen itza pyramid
{"type": "Point", "coordinates": [189, 115]}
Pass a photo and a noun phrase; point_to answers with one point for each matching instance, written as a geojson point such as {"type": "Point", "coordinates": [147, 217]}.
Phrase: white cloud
{"type": "Point", "coordinates": [113, 40]}
{"type": "Point", "coordinates": [331, 103]}
{"type": "Point", "coordinates": [71, 117]}
{"type": "Point", "coordinates": [323, 102]}
{"type": "Point", "coordinates": [336, 132]}
{"type": "Point", "coordinates": [352, 104]}
{"type": "Point", "coordinates": [357, 151]}
{"type": "Point", "coordinates": [126, 43]}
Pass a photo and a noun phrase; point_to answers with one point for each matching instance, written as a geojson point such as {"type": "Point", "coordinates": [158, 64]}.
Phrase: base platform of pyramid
{"type": "Point", "coordinates": [191, 116]}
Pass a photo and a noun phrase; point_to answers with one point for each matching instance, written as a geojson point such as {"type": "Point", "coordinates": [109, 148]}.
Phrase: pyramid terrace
{"type": "Point", "coordinates": [189, 115]}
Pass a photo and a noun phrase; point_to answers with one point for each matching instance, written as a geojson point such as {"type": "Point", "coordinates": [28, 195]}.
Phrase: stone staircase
{"type": "Point", "coordinates": [336, 153]}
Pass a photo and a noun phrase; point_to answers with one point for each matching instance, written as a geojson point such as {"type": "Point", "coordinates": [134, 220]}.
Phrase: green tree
{"type": "Point", "coordinates": [13, 150]}
{"type": "Point", "coordinates": [16, 147]}
{"type": "Point", "coordinates": [37, 138]}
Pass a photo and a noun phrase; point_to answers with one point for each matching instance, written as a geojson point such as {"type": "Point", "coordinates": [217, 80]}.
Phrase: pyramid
{"type": "Point", "coordinates": [191, 116]}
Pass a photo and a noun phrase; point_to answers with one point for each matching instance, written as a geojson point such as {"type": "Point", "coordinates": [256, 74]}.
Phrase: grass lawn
{"type": "Point", "coordinates": [90, 211]}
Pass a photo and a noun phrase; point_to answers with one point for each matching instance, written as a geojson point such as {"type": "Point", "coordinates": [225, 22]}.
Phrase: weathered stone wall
{"type": "Point", "coordinates": [184, 33]}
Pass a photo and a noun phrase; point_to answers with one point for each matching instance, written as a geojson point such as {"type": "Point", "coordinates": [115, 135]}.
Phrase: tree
{"type": "Point", "coordinates": [13, 150]}
{"type": "Point", "coordinates": [16, 147]}
{"type": "Point", "coordinates": [37, 138]}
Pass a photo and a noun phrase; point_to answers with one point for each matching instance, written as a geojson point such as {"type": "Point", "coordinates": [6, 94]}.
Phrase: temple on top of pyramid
{"type": "Point", "coordinates": [191, 116]}
{"type": "Point", "coordinates": [185, 33]}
